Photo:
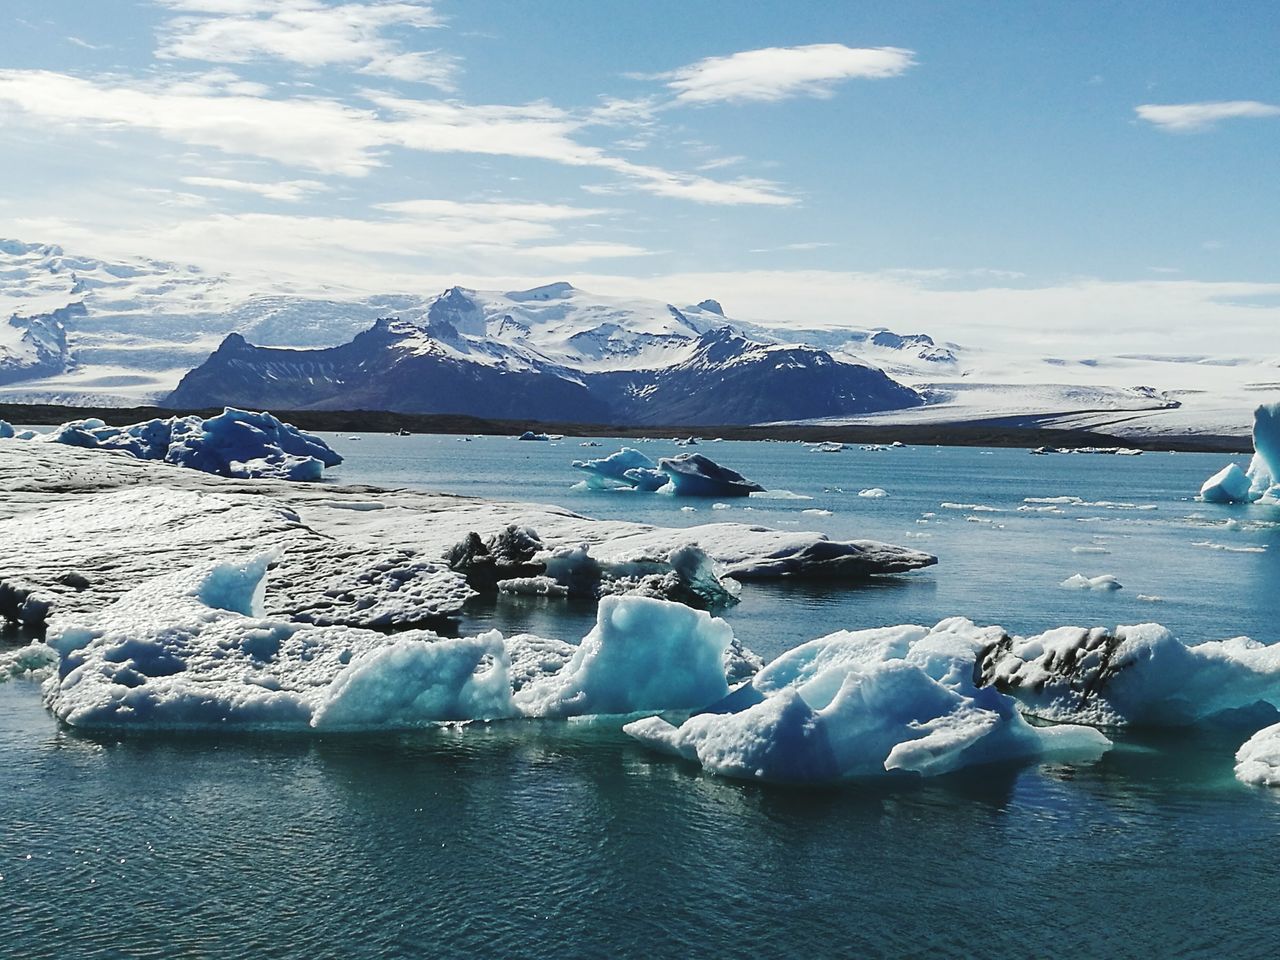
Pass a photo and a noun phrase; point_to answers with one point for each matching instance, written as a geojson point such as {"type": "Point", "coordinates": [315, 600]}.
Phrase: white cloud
{"type": "Point", "coordinates": [288, 191]}
{"type": "Point", "coordinates": [490, 210]}
{"type": "Point", "coordinates": [1184, 117]}
{"type": "Point", "coordinates": [778, 73]}
{"type": "Point", "coordinates": [309, 33]}
{"type": "Point", "coordinates": [332, 137]}
{"type": "Point", "coordinates": [319, 135]}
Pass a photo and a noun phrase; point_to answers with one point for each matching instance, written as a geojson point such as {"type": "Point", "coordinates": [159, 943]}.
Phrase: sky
{"type": "Point", "coordinates": [1082, 176]}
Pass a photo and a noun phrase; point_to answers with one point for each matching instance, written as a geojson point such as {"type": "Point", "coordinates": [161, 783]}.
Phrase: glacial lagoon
{"type": "Point", "coordinates": [567, 838]}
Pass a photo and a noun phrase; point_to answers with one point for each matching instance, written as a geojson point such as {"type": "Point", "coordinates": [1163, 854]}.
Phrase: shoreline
{"type": "Point", "coordinates": [975, 433]}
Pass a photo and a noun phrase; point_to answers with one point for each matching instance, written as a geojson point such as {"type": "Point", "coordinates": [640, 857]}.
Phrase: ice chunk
{"type": "Point", "coordinates": [865, 704]}
{"type": "Point", "coordinates": [874, 493]}
{"type": "Point", "coordinates": [236, 443]}
{"type": "Point", "coordinates": [1258, 760]}
{"type": "Point", "coordinates": [1233, 485]}
{"type": "Point", "coordinates": [188, 650]}
{"type": "Point", "coordinates": [1228, 485]}
{"type": "Point", "coordinates": [693, 475]}
{"type": "Point", "coordinates": [1104, 583]}
{"type": "Point", "coordinates": [642, 655]}
{"type": "Point", "coordinates": [646, 479]}
{"type": "Point", "coordinates": [530, 435]}
{"type": "Point", "coordinates": [36, 660]}
{"type": "Point", "coordinates": [1134, 674]}
{"type": "Point", "coordinates": [614, 469]}
{"type": "Point", "coordinates": [6, 430]}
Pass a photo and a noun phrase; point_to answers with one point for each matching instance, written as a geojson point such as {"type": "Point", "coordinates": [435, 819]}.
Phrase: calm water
{"type": "Point", "coordinates": [566, 840]}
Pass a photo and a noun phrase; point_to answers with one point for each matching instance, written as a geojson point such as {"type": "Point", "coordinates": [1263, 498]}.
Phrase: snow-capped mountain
{"type": "Point", "coordinates": [551, 353]}
{"type": "Point", "coordinates": [80, 330]}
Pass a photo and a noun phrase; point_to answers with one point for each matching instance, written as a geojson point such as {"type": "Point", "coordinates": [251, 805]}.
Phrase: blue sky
{"type": "Point", "coordinates": [979, 167]}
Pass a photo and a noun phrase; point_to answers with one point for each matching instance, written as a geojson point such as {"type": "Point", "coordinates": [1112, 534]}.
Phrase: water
{"type": "Point", "coordinates": [567, 840]}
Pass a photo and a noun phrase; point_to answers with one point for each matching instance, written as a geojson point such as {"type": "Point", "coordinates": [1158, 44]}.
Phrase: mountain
{"type": "Point", "coordinates": [550, 353]}
{"type": "Point", "coordinates": [85, 331]}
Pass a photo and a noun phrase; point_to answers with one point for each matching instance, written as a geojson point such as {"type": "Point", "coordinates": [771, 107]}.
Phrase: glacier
{"type": "Point", "coordinates": [1261, 480]}
{"type": "Point", "coordinates": [235, 443]}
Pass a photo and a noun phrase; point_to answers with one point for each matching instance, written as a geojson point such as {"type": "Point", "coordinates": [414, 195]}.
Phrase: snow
{"type": "Point", "coordinates": [236, 443]}
{"type": "Point", "coordinates": [192, 650]}
{"type": "Point", "coordinates": [898, 700]}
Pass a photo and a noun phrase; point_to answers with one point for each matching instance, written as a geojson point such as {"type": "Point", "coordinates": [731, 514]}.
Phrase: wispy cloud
{"type": "Point", "coordinates": [1186, 117]}
{"type": "Point", "coordinates": [779, 73]}
{"type": "Point", "coordinates": [308, 33]}
{"type": "Point", "coordinates": [332, 137]}
{"type": "Point", "coordinates": [287, 191]}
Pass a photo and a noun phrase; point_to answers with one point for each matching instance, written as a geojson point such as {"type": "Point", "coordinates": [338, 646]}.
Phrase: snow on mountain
{"type": "Point", "coordinates": [80, 330]}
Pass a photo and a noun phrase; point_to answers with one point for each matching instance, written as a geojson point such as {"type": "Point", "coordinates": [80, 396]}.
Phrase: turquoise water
{"type": "Point", "coordinates": [568, 840]}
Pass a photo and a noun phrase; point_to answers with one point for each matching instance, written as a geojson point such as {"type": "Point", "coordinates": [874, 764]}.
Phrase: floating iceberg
{"type": "Point", "coordinates": [615, 469]}
{"type": "Point", "coordinates": [864, 704]}
{"type": "Point", "coordinates": [515, 560]}
{"type": "Point", "coordinates": [194, 650]}
{"type": "Point", "coordinates": [6, 430]}
{"type": "Point", "coordinates": [1131, 675]}
{"type": "Point", "coordinates": [1262, 479]}
{"type": "Point", "coordinates": [1258, 759]}
{"type": "Point", "coordinates": [1105, 582]}
{"type": "Point", "coordinates": [873, 493]}
{"type": "Point", "coordinates": [530, 435]}
{"type": "Point", "coordinates": [236, 443]}
{"type": "Point", "coordinates": [693, 475]}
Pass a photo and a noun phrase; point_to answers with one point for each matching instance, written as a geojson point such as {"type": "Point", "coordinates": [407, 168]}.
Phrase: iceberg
{"type": "Point", "coordinates": [1258, 759]}
{"type": "Point", "coordinates": [693, 475]}
{"type": "Point", "coordinates": [6, 430]}
{"type": "Point", "coordinates": [236, 443]}
{"type": "Point", "coordinates": [1104, 583]}
{"type": "Point", "coordinates": [615, 470]}
{"type": "Point", "coordinates": [1228, 485]}
{"type": "Point", "coordinates": [1261, 480]}
{"type": "Point", "coordinates": [195, 649]}
{"type": "Point", "coordinates": [348, 555]}
{"type": "Point", "coordinates": [871, 703]}
{"type": "Point", "coordinates": [1138, 674]}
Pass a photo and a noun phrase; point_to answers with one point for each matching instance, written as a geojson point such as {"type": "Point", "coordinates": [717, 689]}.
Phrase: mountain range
{"type": "Point", "coordinates": [78, 330]}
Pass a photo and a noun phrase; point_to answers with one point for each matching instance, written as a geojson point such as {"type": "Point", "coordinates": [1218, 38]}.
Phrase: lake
{"type": "Point", "coordinates": [566, 839]}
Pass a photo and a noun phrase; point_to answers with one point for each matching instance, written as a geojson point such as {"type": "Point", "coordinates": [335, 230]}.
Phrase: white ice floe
{"type": "Point", "coordinates": [1231, 484]}
{"type": "Point", "coordinates": [1258, 759]}
{"type": "Point", "coordinates": [1105, 582]}
{"type": "Point", "coordinates": [897, 700]}
{"type": "Point", "coordinates": [347, 555]}
{"type": "Point", "coordinates": [236, 443]}
{"type": "Point", "coordinates": [195, 650]}
{"type": "Point", "coordinates": [873, 493]}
